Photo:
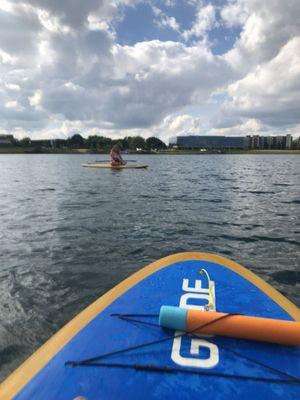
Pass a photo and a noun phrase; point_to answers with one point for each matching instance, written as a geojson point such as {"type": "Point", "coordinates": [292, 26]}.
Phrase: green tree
{"type": "Point", "coordinates": [104, 143]}
{"type": "Point", "coordinates": [15, 142]}
{"type": "Point", "coordinates": [76, 141]}
{"type": "Point", "coordinates": [25, 142]}
{"type": "Point", "coordinates": [137, 142]}
{"type": "Point", "coordinates": [296, 144]}
{"type": "Point", "coordinates": [92, 142]}
{"type": "Point", "coordinates": [119, 143]}
{"type": "Point", "coordinates": [153, 143]}
{"type": "Point", "coordinates": [125, 143]}
{"type": "Point", "coordinates": [99, 143]}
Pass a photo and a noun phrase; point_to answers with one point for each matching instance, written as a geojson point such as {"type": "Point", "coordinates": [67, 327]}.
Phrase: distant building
{"type": "Point", "coordinates": [288, 141]}
{"type": "Point", "coordinates": [257, 142]}
{"type": "Point", "coordinates": [6, 140]}
{"type": "Point", "coordinates": [251, 142]}
{"type": "Point", "coordinates": [267, 140]}
{"type": "Point", "coordinates": [208, 142]}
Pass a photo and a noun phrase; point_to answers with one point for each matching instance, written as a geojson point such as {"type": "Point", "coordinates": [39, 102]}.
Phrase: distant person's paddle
{"type": "Point", "coordinates": [105, 161]}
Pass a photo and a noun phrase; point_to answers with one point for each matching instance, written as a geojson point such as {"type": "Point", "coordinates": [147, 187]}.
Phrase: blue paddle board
{"type": "Point", "coordinates": [115, 349]}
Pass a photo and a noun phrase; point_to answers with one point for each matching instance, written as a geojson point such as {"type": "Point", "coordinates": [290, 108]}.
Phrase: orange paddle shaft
{"type": "Point", "coordinates": [244, 327]}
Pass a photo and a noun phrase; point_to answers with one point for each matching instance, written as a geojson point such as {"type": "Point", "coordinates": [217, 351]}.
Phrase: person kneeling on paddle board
{"type": "Point", "coordinates": [115, 156]}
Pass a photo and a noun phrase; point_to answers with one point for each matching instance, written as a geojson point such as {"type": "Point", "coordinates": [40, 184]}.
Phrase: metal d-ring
{"type": "Point", "coordinates": [210, 305]}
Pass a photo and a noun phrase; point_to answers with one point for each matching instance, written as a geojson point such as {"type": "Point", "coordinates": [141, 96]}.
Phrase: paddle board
{"type": "Point", "coordinates": [126, 166]}
{"type": "Point", "coordinates": [116, 349]}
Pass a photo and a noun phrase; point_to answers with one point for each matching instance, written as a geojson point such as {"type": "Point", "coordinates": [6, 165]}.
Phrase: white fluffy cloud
{"type": "Point", "coordinates": [234, 14]}
{"type": "Point", "coordinates": [62, 69]}
{"type": "Point", "coordinates": [204, 22]}
{"type": "Point", "coordinates": [266, 27]}
{"type": "Point", "coordinates": [240, 128]}
{"type": "Point", "coordinates": [267, 61]}
{"type": "Point", "coordinates": [272, 90]}
{"type": "Point", "coordinates": [161, 77]}
{"type": "Point", "coordinates": [82, 74]}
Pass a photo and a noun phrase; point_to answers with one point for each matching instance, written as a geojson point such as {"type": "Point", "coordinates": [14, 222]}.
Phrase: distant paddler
{"type": "Point", "coordinates": [116, 157]}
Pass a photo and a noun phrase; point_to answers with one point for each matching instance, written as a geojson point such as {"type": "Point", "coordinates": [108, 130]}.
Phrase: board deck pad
{"type": "Point", "coordinates": [108, 165]}
{"type": "Point", "coordinates": [183, 367]}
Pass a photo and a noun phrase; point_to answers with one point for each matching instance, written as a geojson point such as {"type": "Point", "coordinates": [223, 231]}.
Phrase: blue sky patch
{"type": "Point", "coordinates": [143, 22]}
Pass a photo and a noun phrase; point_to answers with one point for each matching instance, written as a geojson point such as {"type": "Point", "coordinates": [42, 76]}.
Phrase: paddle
{"type": "Point", "coordinates": [106, 161]}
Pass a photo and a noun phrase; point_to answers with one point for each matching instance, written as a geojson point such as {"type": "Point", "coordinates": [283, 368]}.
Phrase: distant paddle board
{"type": "Point", "coordinates": [108, 165]}
{"type": "Point", "coordinates": [116, 349]}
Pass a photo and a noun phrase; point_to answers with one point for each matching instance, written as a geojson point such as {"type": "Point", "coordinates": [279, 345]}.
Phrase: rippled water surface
{"type": "Point", "coordinates": [69, 234]}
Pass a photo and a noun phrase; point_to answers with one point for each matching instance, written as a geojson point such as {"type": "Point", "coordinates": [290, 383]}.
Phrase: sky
{"type": "Point", "coordinates": [149, 67]}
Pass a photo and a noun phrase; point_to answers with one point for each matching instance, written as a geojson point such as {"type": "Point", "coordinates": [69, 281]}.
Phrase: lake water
{"type": "Point", "coordinates": [68, 234]}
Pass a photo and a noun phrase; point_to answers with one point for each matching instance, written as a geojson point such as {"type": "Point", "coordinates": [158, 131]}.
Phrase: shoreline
{"type": "Point", "coordinates": [28, 150]}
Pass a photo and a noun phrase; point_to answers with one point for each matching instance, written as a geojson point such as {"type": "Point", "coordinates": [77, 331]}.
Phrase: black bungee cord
{"type": "Point", "coordinates": [92, 362]}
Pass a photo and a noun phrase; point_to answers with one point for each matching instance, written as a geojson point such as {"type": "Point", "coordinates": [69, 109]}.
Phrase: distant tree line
{"type": "Point", "coordinates": [96, 143]}
{"type": "Point", "coordinates": [103, 144]}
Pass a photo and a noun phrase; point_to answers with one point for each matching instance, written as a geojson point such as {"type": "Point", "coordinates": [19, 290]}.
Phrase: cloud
{"type": "Point", "coordinates": [177, 125]}
{"type": "Point", "coordinates": [35, 99]}
{"type": "Point", "coordinates": [205, 20]}
{"type": "Point", "coordinates": [85, 75]}
{"type": "Point", "coordinates": [62, 69]}
{"type": "Point", "coordinates": [72, 13]}
{"type": "Point", "coordinates": [19, 29]}
{"type": "Point", "coordinates": [266, 63]}
{"type": "Point", "coordinates": [240, 128]}
{"type": "Point", "coordinates": [266, 27]}
{"type": "Point", "coordinates": [161, 77]}
{"type": "Point", "coordinates": [163, 20]}
{"type": "Point", "coordinates": [271, 91]}
{"type": "Point", "coordinates": [234, 14]}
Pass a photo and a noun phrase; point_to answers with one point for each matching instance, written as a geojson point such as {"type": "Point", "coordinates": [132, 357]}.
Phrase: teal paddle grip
{"type": "Point", "coordinates": [173, 318]}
